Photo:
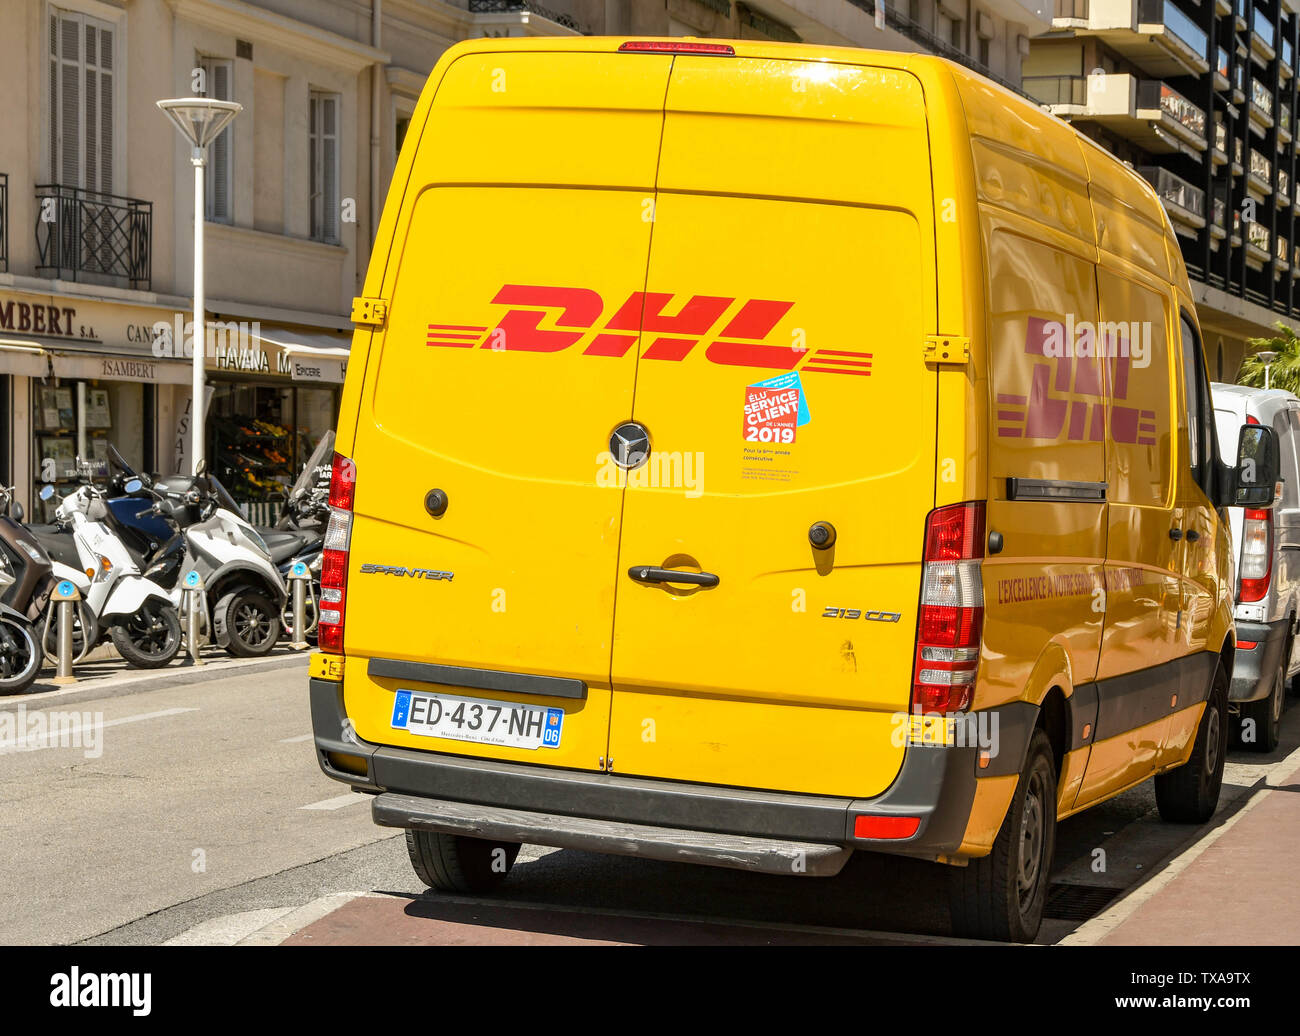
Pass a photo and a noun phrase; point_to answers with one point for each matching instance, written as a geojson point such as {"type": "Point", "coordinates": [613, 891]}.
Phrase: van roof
{"type": "Point", "coordinates": [989, 111]}
{"type": "Point", "coordinates": [1252, 393]}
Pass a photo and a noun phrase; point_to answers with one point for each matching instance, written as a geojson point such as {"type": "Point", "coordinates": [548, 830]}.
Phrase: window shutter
{"type": "Point", "coordinates": [217, 75]}
{"type": "Point", "coordinates": [329, 160]}
{"type": "Point", "coordinates": [67, 131]}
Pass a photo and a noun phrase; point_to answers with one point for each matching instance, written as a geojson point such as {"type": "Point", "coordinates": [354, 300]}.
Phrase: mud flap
{"type": "Point", "coordinates": [219, 611]}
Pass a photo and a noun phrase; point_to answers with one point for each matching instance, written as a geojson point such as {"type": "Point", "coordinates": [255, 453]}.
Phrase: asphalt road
{"type": "Point", "coordinates": [205, 817]}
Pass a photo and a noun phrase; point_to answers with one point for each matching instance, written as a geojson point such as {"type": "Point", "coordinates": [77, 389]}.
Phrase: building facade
{"type": "Point", "coordinates": [96, 198]}
{"type": "Point", "coordinates": [1200, 99]}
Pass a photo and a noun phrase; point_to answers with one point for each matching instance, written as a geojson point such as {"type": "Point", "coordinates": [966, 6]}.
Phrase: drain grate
{"type": "Point", "coordinates": [1076, 902]}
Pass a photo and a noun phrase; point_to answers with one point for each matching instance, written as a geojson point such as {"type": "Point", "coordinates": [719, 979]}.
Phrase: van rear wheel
{"type": "Point", "coordinates": [1001, 895]}
{"type": "Point", "coordinates": [1190, 794]}
{"type": "Point", "coordinates": [454, 863]}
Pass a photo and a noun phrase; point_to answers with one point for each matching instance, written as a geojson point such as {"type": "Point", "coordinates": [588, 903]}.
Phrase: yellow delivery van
{"type": "Point", "coordinates": [755, 453]}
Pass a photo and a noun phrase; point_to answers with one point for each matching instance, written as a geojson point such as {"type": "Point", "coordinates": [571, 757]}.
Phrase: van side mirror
{"type": "Point", "coordinates": [1254, 482]}
{"type": "Point", "coordinates": [133, 486]}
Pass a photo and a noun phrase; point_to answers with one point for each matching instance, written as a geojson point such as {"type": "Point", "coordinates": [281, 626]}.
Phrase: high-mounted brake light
{"type": "Point", "coordinates": [676, 47]}
{"type": "Point", "coordinates": [334, 555]}
{"type": "Point", "coordinates": [1256, 554]}
{"type": "Point", "coordinates": [951, 618]}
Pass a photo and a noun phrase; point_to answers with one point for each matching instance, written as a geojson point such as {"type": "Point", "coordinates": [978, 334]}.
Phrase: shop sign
{"type": "Point", "coordinates": [319, 368]}
{"type": "Point", "coordinates": [86, 322]}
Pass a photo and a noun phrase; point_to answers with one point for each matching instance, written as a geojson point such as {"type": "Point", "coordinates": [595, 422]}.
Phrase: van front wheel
{"type": "Point", "coordinates": [454, 863]}
{"type": "Point", "coordinates": [1001, 895]}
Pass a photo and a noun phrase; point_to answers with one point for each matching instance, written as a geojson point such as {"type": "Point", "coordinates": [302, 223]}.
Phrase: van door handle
{"type": "Point", "coordinates": [1175, 534]}
{"type": "Point", "coordinates": [650, 574]}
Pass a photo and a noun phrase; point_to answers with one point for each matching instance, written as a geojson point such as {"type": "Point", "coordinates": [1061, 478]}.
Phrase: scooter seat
{"type": "Point", "coordinates": [285, 543]}
{"type": "Point", "coordinates": [60, 546]}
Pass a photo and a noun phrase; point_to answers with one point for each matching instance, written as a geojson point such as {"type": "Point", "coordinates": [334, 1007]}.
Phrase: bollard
{"type": "Point", "coordinates": [66, 595]}
{"type": "Point", "coordinates": [298, 576]}
{"type": "Point", "coordinates": [193, 584]}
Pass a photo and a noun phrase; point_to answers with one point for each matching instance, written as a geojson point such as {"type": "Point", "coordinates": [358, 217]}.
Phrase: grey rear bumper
{"type": "Point", "coordinates": [663, 819]}
{"type": "Point", "coordinates": [1253, 668]}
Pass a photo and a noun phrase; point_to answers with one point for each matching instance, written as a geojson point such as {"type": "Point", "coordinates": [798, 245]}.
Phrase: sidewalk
{"type": "Point", "coordinates": [1232, 888]}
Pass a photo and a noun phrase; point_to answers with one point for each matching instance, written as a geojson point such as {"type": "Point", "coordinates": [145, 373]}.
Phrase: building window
{"type": "Point", "coordinates": [403, 124]}
{"type": "Point", "coordinates": [218, 84]}
{"type": "Point", "coordinates": [82, 101]}
{"type": "Point", "coordinates": [984, 51]}
{"type": "Point", "coordinates": [324, 161]}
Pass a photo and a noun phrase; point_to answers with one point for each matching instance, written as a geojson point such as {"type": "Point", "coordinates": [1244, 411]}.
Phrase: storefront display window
{"type": "Point", "coordinates": [261, 435]}
{"type": "Point", "coordinates": [75, 420]}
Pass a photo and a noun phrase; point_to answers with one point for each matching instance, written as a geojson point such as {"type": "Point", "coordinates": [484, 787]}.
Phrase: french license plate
{"type": "Point", "coordinates": [506, 723]}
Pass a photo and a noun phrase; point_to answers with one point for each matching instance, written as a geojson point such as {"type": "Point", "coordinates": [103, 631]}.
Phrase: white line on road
{"type": "Point", "coordinates": [294, 921]}
{"type": "Point", "coordinates": [74, 727]}
{"type": "Point", "coordinates": [295, 740]}
{"type": "Point", "coordinates": [338, 802]}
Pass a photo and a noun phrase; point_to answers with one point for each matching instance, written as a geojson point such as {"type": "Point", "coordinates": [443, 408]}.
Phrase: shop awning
{"type": "Point", "coordinates": [120, 367]}
{"type": "Point", "coordinates": [23, 357]}
{"type": "Point", "coordinates": [312, 355]}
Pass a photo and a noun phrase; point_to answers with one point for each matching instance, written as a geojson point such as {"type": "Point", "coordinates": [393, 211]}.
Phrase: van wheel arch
{"type": "Point", "coordinates": [1054, 721]}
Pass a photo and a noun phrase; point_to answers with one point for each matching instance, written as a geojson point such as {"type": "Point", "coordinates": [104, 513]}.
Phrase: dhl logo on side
{"type": "Point", "coordinates": [741, 342]}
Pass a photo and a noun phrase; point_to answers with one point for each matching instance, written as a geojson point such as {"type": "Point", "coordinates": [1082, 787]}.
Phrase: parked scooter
{"type": "Point", "coordinates": [25, 583]}
{"type": "Point", "coordinates": [244, 594]}
{"type": "Point", "coordinates": [116, 599]}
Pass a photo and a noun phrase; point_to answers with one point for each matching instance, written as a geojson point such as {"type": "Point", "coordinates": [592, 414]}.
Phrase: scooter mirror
{"type": "Point", "coordinates": [133, 486]}
{"type": "Point", "coordinates": [47, 491]}
{"type": "Point", "coordinates": [18, 513]}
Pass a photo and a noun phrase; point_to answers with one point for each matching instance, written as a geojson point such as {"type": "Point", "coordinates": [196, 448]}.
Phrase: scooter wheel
{"type": "Point", "coordinates": [20, 656]}
{"type": "Point", "coordinates": [151, 637]}
{"type": "Point", "coordinates": [248, 621]}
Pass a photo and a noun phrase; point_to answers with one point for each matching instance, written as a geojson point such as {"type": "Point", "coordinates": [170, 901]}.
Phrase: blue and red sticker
{"type": "Point", "coordinates": [775, 409]}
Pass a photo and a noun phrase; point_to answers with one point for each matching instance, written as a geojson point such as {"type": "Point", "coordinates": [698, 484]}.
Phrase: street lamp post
{"type": "Point", "coordinates": [200, 120]}
{"type": "Point", "coordinates": [1266, 357]}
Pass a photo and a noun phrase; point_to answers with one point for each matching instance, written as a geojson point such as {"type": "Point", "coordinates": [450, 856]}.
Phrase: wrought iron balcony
{"type": "Point", "coordinates": [511, 6]}
{"type": "Point", "coordinates": [80, 232]}
{"type": "Point", "coordinates": [4, 222]}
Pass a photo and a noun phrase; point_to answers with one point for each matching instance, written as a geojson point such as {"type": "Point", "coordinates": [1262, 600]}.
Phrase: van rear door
{"type": "Point", "coordinates": [525, 215]}
{"type": "Point", "coordinates": [782, 383]}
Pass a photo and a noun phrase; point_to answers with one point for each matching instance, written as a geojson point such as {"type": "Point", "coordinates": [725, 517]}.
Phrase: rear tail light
{"type": "Point", "coordinates": [951, 618]}
{"type": "Point", "coordinates": [676, 47]}
{"type": "Point", "coordinates": [334, 556]}
{"type": "Point", "coordinates": [1256, 554]}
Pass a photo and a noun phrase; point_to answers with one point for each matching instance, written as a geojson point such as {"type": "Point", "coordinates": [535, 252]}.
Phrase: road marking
{"type": "Point", "coordinates": [291, 921]}
{"type": "Point", "coordinates": [1103, 924]}
{"type": "Point", "coordinates": [75, 726]}
{"type": "Point", "coordinates": [295, 740]}
{"type": "Point", "coordinates": [338, 802]}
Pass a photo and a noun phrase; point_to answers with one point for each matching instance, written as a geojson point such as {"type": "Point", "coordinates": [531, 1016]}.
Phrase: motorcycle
{"type": "Point", "coordinates": [25, 585]}
{"type": "Point", "coordinates": [116, 598]}
{"type": "Point", "coordinates": [244, 594]}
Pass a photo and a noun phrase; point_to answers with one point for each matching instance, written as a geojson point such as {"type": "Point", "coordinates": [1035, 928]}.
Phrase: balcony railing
{"type": "Point", "coordinates": [1287, 53]}
{"type": "Point", "coordinates": [1218, 213]}
{"type": "Point", "coordinates": [1261, 97]}
{"type": "Point", "coordinates": [1175, 190]}
{"type": "Point", "coordinates": [1155, 12]}
{"type": "Point", "coordinates": [4, 222]}
{"type": "Point", "coordinates": [82, 232]}
{"type": "Point", "coordinates": [1263, 27]}
{"type": "Point", "coordinates": [1220, 138]}
{"type": "Point", "coordinates": [510, 6]}
{"type": "Point", "coordinates": [1221, 62]}
{"type": "Point", "coordinates": [1261, 166]}
{"type": "Point", "coordinates": [1152, 93]}
{"type": "Point", "coordinates": [1075, 9]}
{"type": "Point", "coordinates": [1257, 234]}
{"type": "Point", "coordinates": [1057, 89]}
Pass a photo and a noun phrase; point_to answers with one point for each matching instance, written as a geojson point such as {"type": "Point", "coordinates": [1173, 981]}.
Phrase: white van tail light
{"type": "Point", "coordinates": [951, 617]}
{"type": "Point", "coordinates": [334, 555]}
{"type": "Point", "coordinates": [1256, 554]}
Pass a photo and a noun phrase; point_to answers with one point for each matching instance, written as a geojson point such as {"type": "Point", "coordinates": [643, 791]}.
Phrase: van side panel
{"type": "Point", "coordinates": [798, 654]}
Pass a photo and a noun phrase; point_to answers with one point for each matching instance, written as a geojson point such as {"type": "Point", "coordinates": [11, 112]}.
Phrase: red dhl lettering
{"type": "Point", "coordinates": [549, 319]}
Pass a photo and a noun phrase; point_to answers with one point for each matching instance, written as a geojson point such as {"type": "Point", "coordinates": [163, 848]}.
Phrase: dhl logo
{"type": "Point", "coordinates": [1067, 394]}
{"type": "Point", "coordinates": [546, 319]}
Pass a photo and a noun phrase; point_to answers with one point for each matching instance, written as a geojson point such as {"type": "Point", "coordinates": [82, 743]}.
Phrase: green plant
{"type": "Point", "coordinates": [1284, 372]}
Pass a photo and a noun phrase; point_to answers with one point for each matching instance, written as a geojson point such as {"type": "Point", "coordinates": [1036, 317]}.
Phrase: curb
{"type": "Point", "coordinates": [295, 920]}
{"type": "Point", "coordinates": [162, 679]}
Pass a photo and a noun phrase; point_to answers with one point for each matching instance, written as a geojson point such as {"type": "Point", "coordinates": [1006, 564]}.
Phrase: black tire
{"type": "Point", "coordinates": [251, 622]}
{"type": "Point", "coordinates": [20, 656]}
{"type": "Point", "coordinates": [1001, 895]}
{"type": "Point", "coordinates": [1261, 721]}
{"type": "Point", "coordinates": [150, 638]}
{"type": "Point", "coordinates": [1190, 794]}
{"type": "Point", "coordinates": [454, 863]}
